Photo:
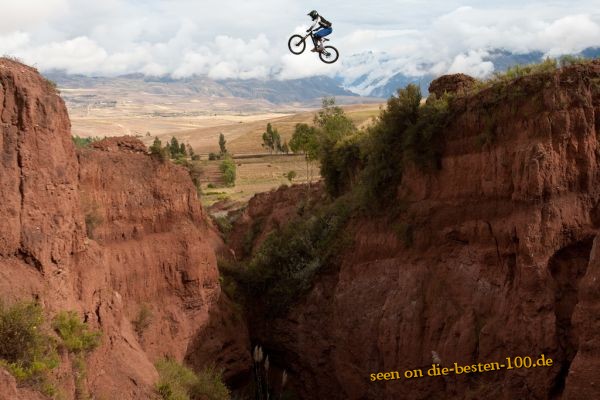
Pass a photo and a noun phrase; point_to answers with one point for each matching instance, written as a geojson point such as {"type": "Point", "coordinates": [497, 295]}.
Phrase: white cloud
{"type": "Point", "coordinates": [248, 39]}
{"type": "Point", "coordinates": [472, 64]}
{"type": "Point", "coordinates": [27, 14]}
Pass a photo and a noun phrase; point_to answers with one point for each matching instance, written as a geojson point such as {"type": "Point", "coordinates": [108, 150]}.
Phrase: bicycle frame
{"type": "Point", "coordinates": [312, 36]}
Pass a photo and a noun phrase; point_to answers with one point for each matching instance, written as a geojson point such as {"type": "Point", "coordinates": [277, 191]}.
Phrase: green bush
{"type": "Point", "coordinates": [290, 175]}
{"type": "Point", "coordinates": [25, 349]}
{"type": "Point", "coordinates": [342, 162]}
{"type": "Point", "coordinates": [75, 335]}
{"type": "Point", "coordinates": [384, 146]}
{"type": "Point", "coordinates": [178, 382]}
{"type": "Point", "coordinates": [333, 126]}
{"type": "Point", "coordinates": [284, 266]}
{"type": "Point", "coordinates": [227, 167]}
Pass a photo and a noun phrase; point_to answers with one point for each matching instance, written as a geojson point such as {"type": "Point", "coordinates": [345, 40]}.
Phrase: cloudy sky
{"type": "Point", "coordinates": [248, 38]}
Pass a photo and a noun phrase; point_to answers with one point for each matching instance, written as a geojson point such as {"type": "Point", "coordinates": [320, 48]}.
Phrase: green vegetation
{"type": "Point", "coordinates": [305, 140]}
{"type": "Point", "coordinates": [517, 71]}
{"type": "Point", "coordinates": [547, 66]}
{"type": "Point", "coordinates": [285, 264]}
{"type": "Point", "coordinates": [222, 144]}
{"type": "Point", "coordinates": [75, 335]}
{"type": "Point", "coordinates": [78, 340]}
{"type": "Point", "coordinates": [181, 154]}
{"type": "Point", "coordinates": [178, 382]}
{"type": "Point", "coordinates": [290, 175]}
{"type": "Point", "coordinates": [26, 350]}
{"type": "Point", "coordinates": [173, 150]}
{"type": "Point", "coordinates": [29, 352]}
{"type": "Point", "coordinates": [142, 320]}
{"type": "Point", "coordinates": [227, 167]}
{"type": "Point", "coordinates": [272, 139]}
{"type": "Point", "coordinates": [81, 143]}
{"type": "Point", "coordinates": [159, 151]}
{"type": "Point", "coordinates": [568, 60]}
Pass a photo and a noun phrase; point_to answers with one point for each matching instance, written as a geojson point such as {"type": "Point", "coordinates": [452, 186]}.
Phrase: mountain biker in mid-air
{"type": "Point", "coordinates": [323, 30]}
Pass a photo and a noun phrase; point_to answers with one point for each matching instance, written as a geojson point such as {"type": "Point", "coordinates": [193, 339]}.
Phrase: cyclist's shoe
{"type": "Point", "coordinates": [315, 50]}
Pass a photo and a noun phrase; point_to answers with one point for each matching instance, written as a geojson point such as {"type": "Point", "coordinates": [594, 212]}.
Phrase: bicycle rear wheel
{"type": "Point", "coordinates": [296, 44]}
{"type": "Point", "coordinates": [329, 55]}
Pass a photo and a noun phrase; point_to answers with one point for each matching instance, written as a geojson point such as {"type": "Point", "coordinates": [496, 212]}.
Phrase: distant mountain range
{"type": "Point", "coordinates": [371, 85]}
{"type": "Point", "coordinates": [273, 91]}
{"type": "Point", "coordinates": [385, 84]}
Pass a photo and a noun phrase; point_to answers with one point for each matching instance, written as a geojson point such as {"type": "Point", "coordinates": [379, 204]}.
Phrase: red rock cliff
{"type": "Point", "coordinates": [107, 231]}
{"type": "Point", "coordinates": [500, 264]}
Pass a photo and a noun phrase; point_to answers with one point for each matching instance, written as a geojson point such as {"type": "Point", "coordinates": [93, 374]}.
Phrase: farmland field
{"type": "Point", "coordinates": [257, 170]}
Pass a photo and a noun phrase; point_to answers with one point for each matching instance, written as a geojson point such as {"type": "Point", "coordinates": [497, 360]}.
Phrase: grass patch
{"type": "Point", "coordinates": [178, 382]}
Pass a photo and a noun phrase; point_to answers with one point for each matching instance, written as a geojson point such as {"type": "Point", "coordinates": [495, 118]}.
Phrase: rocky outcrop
{"type": "Point", "coordinates": [451, 84]}
{"type": "Point", "coordinates": [106, 231]}
{"type": "Point", "coordinates": [501, 261]}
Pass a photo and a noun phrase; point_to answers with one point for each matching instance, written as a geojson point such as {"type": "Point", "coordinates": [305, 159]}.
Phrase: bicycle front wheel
{"type": "Point", "coordinates": [329, 55]}
{"type": "Point", "coordinates": [296, 44]}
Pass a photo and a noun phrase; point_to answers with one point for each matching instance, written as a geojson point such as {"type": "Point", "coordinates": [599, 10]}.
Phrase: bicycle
{"type": "Point", "coordinates": [297, 45]}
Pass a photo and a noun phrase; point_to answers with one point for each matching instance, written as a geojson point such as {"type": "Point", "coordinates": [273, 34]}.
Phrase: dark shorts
{"type": "Point", "coordinates": [323, 32]}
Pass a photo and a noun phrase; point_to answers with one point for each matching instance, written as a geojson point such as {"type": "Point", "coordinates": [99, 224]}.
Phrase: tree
{"type": "Point", "coordinates": [174, 147]}
{"type": "Point", "coordinates": [285, 148]}
{"type": "Point", "coordinates": [271, 139]}
{"type": "Point", "coordinates": [222, 143]}
{"type": "Point", "coordinates": [156, 149]}
{"type": "Point", "coordinates": [333, 126]}
{"type": "Point", "coordinates": [305, 140]}
{"type": "Point", "coordinates": [156, 146]}
{"type": "Point", "coordinates": [227, 167]}
{"type": "Point", "coordinates": [182, 150]}
{"type": "Point", "coordinates": [291, 175]}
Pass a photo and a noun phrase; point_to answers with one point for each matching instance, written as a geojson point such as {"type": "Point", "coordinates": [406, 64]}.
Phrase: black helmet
{"type": "Point", "coordinates": [313, 14]}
